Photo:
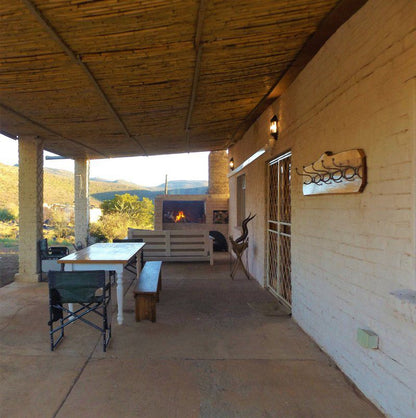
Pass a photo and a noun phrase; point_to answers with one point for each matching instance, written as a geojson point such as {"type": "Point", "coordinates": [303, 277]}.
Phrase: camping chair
{"type": "Point", "coordinates": [87, 289]}
{"type": "Point", "coordinates": [131, 265]}
{"type": "Point", "coordinates": [78, 246]}
{"type": "Point", "coordinates": [49, 255]}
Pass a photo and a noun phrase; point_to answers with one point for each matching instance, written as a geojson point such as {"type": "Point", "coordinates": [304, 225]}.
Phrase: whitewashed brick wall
{"type": "Point", "coordinates": [350, 252]}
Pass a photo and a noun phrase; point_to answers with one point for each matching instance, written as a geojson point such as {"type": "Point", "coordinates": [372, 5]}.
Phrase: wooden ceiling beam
{"type": "Point", "coordinates": [50, 131]}
{"type": "Point", "coordinates": [76, 59]}
{"type": "Point", "coordinates": [332, 22]}
{"type": "Point", "coordinates": [195, 79]}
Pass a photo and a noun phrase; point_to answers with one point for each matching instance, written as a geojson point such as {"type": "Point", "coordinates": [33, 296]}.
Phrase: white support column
{"type": "Point", "coordinates": [30, 207]}
{"type": "Point", "coordinates": [82, 206]}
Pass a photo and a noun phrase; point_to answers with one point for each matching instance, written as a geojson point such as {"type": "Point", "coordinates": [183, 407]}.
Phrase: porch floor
{"type": "Point", "coordinates": [210, 354]}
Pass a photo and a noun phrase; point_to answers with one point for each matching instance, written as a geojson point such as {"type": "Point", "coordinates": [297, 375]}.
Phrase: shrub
{"type": "Point", "coordinates": [6, 215]}
{"type": "Point", "coordinates": [110, 226]}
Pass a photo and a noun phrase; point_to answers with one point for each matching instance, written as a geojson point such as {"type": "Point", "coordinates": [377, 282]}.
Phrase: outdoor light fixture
{"type": "Point", "coordinates": [273, 127]}
{"type": "Point", "coordinates": [232, 163]}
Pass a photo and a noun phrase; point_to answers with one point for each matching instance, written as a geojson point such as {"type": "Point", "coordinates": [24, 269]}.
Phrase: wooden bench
{"type": "Point", "coordinates": [146, 291]}
{"type": "Point", "coordinates": [175, 245]}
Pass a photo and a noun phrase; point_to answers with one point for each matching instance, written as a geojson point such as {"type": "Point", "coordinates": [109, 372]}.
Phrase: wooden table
{"type": "Point", "coordinates": [109, 257]}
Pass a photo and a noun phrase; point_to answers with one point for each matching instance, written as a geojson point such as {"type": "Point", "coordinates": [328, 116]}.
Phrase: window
{"type": "Point", "coordinates": [241, 199]}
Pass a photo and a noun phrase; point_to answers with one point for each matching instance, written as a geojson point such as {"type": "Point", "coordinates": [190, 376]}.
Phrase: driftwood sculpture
{"type": "Point", "coordinates": [245, 229]}
{"type": "Point", "coordinates": [239, 246]}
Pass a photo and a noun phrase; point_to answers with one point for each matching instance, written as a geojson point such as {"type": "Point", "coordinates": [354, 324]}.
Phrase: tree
{"type": "Point", "coordinates": [59, 220]}
{"type": "Point", "coordinates": [146, 215]}
{"type": "Point", "coordinates": [122, 203]}
{"type": "Point", "coordinates": [123, 212]}
{"type": "Point", "coordinates": [110, 226]}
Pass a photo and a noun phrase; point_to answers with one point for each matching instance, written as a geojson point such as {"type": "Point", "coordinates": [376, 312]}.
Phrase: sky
{"type": "Point", "coordinates": [145, 171]}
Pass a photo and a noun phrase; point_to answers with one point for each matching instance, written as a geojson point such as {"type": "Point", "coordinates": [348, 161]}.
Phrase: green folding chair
{"type": "Point", "coordinates": [89, 293]}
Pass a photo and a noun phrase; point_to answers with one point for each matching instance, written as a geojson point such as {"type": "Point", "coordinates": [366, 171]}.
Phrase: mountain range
{"type": "Point", "coordinates": [59, 187]}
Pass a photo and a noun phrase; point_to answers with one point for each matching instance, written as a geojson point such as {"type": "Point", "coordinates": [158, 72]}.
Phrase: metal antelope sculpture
{"type": "Point", "coordinates": [245, 229]}
{"type": "Point", "coordinates": [240, 245]}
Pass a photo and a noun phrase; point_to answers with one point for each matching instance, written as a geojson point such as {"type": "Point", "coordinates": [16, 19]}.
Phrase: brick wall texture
{"type": "Point", "coordinates": [349, 252]}
{"type": "Point", "coordinates": [218, 169]}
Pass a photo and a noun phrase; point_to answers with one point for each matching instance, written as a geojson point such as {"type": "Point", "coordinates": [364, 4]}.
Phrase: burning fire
{"type": "Point", "coordinates": [179, 216]}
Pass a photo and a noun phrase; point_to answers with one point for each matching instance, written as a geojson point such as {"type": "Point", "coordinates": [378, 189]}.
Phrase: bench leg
{"type": "Point", "coordinates": [145, 307]}
{"type": "Point", "coordinates": [159, 287]}
{"type": "Point", "coordinates": [154, 308]}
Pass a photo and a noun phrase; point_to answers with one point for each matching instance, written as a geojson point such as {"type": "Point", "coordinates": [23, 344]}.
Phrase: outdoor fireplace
{"type": "Point", "coordinates": [184, 211]}
{"type": "Point", "coordinates": [203, 212]}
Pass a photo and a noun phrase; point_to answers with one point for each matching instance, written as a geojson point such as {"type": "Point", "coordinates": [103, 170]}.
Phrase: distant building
{"type": "Point", "coordinates": [95, 214]}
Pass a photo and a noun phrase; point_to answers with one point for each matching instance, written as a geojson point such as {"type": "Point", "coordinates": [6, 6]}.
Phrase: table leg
{"type": "Point", "coordinates": [68, 267]}
{"type": "Point", "coordinates": [120, 294]}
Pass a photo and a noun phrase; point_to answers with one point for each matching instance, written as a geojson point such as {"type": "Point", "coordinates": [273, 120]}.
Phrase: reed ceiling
{"type": "Point", "coordinates": [110, 78]}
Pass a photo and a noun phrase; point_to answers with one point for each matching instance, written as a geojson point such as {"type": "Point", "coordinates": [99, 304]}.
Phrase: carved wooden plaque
{"type": "Point", "coordinates": [340, 173]}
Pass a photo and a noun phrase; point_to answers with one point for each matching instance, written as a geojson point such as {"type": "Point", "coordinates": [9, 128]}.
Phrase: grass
{"type": "Point", "coordinates": [61, 241]}
{"type": "Point", "coordinates": [9, 231]}
{"type": "Point", "coordinates": [9, 236]}
{"type": "Point", "coordinates": [9, 242]}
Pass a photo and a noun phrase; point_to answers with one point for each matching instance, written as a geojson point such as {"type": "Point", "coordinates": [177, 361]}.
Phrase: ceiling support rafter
{"type": "Point", "coordinates": [332, 22]}
{"type": "Point", "coordinates": [195, 79]}
{"type": "Point", "coordinates": [77, 60]}
{"type": "Point", "coordinates": [39, 125]}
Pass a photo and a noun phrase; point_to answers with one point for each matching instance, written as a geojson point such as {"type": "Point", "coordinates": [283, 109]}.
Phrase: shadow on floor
{"type": "Point", "coordinates": [211, 353]}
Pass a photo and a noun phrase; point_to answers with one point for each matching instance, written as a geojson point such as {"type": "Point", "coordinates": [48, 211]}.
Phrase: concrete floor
{"type": "Point", "coordinates": [209, 354]}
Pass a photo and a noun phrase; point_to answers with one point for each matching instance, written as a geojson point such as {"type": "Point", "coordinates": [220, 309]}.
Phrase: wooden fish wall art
{"type": "Point", "coordinates": [341, 173]}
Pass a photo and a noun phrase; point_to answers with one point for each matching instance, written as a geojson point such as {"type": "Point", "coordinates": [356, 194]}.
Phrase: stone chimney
{"type": "Point", "coordinates": [218, 170]}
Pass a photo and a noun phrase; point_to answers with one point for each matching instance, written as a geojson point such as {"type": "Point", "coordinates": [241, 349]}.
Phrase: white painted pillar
{"type": "Point", "coordinates": [82, 205]}
{"type": "Point", "coordinates": [30, 207]}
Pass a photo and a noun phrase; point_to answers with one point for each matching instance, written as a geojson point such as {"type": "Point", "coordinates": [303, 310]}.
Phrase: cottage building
{"type": "Point", "coordinates": [343, 262]}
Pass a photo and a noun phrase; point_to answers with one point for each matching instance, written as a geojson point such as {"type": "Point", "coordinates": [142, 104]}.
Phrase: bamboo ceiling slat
{"type": "Point", "coordinates": [143, 57]}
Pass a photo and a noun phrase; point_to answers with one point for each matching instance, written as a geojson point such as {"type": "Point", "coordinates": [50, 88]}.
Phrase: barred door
{"type": "Point", "coordinates": [279, 229]}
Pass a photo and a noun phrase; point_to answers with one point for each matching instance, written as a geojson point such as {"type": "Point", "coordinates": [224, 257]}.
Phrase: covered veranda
{"type": "Point", "coordinates": [104, 79]}
{"type": "Point", "coordinates": [218, 349]}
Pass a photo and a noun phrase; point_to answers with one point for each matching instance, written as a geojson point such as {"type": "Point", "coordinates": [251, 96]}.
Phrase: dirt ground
{"type": "Point", "coordinates": [8, 264]}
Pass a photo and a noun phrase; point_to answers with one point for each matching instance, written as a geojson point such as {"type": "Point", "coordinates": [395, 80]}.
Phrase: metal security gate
{"type": "Point", "coordinates": [279, 229]}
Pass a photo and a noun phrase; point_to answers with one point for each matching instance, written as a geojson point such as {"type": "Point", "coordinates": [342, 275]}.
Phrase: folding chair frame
{"type": "Point", "coordinates": [67, 317]}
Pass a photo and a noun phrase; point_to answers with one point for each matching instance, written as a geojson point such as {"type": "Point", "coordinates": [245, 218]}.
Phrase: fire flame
{"type": "Point", "coordinates": [179, 216]}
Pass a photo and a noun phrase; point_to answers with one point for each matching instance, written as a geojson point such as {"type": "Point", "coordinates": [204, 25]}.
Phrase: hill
{"type": "Point", "coordinates": [182, 185]}
{"type": "Point", "coordinates": [59, 187]}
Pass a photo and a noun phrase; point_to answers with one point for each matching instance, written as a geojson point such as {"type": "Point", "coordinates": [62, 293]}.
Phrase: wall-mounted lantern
{"type": "Point", "coordinates": [274, 132]}
{"type": "Point", "coordinates": [232, 164]}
